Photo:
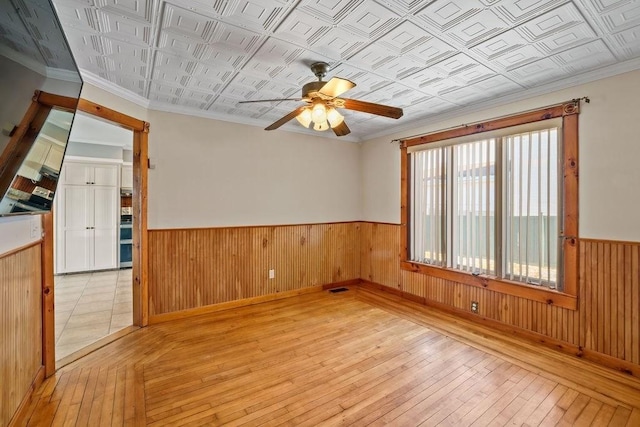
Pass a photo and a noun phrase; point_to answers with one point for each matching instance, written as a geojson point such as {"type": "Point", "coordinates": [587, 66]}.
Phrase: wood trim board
{"type": "Point", "coordinates": [546, 296]}
{"type": "Point", "coordinates": [48, 314]}
{"type": "Point", "coordinates": [258, 226]}
{"type": "Point", "coordinates": [182, 314]}
{"type": "Point", "coordinates": [489, 125]}
{"type": "Point", "coordinates": [21, 248]}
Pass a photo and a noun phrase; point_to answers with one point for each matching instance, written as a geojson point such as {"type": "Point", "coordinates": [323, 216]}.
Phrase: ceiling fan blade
{"type": "Point", "coordinates": [285, 119]}
{"type": "Point", "coordinates": [336, 87]}
{"type": "Point", "coordinates": [342, 129]}
{"type": "Point", "coordinates": [371, 108]}
{"type": "Point", "coordinates": [270, 100]}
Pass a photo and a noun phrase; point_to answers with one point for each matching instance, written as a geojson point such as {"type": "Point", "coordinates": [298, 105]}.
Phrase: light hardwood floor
{"type": "Point", "coordinates": [352, 358]}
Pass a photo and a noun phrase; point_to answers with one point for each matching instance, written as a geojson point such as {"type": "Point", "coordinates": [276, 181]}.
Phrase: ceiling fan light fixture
{"type": "Point", "coordinates": [334, 117]}
{"type": "Point", "coordinates": [304, 117]}
{"type": "Point", "coordinates": [321, 102]}
{"type": "Point", "coordinates": [321, 126]}
{"type": "Point", "coordinates": [319, 113]}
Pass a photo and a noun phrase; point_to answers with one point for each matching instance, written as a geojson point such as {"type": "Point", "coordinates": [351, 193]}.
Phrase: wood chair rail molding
{"type": "Point", "coordinates": [569, 112]}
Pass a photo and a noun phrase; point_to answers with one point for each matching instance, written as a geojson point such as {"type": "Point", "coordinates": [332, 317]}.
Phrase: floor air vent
{"type": "Point", "coordinates": [336, 290]}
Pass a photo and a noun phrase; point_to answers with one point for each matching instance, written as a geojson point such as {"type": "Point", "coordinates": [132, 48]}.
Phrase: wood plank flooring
{"type": "Point", "coordinates": [353, 358]}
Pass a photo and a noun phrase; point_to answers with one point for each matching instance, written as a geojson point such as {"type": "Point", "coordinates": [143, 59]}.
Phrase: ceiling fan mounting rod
{"type": "Point", "coordinates": [320, 69]}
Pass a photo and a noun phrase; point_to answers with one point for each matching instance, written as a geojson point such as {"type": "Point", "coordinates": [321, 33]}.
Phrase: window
{"type": "Point", "coordinates": [457, 190]}
{"type": "Point", "coordinates": [496, 209]}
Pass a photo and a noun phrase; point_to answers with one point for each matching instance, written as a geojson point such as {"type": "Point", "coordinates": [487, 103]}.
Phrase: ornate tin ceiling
{"type": "Point", "coordinates": [428, 57]}
{"type": "Point", "coordinates": [30, 30]}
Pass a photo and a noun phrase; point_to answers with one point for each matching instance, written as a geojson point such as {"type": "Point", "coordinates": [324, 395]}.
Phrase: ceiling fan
{"type": "Point", "coordinates": [322, 101]}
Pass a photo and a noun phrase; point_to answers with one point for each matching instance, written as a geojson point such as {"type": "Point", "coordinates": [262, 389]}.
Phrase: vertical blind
{"type": "Point", "coordinates": [473, 210]}
{"type": "Point", "coordinates": [428, 200]}
{"type": "Point", "coordinates": [531, 229]}
{"type": "Point", "coordinates": [489, 206]}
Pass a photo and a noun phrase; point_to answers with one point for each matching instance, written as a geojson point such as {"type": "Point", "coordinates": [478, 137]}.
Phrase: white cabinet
{"type": "Point", "coordinates": [30, 168]}
{"type": "Point", "coordinates": [90, 174]}
{"type": "Point", "coordinates": [54, 157]}
{"type": "Point", "coordinates": [87, 218]}
{"type": "Point", "coordinates": [126, 180]}
{"type": "Point", "coordinates": [42, 153]}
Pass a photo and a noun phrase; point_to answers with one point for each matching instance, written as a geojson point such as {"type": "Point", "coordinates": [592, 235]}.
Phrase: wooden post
{"type": "Point", "coordinates": [48, 289]}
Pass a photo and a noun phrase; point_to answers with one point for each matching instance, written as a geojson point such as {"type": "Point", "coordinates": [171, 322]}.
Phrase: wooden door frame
{"type": "Point", "coordinates": [140, 264]}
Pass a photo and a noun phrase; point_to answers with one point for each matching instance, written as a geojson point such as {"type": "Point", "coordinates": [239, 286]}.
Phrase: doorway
{"type": "Point", "coordinates": [93, 236]}
{"type": "Point", "coordinates": [124, 287]}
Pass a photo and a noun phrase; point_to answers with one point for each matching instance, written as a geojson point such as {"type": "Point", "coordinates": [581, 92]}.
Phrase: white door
{"type": "Point", "coordinates": [77, 174]}
{"type": "Point", "coordinates": [105, 175]}
{"type": "Point", "coordinates": [75, 228]}
{"type": "Point", "coordinates": [105, 227]}
{"type": "Point", "coordinates": [88, 227]}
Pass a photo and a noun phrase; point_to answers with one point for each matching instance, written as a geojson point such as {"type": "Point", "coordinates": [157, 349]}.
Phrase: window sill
{"type": "Point", "coordinates": [502, 286]}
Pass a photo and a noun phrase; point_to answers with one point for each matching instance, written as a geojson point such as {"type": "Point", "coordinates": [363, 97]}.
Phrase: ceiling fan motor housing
{"type": "Point", "coordinates": [310, 90]}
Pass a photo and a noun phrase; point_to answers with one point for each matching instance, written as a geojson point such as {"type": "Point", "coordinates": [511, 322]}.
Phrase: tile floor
{"type": "Point", "coordinates": [90, 306]}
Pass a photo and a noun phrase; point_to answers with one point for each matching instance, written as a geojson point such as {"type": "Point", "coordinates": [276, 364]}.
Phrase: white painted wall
{"type": "Point", "coordinates": [609, 156]}
{"type": "Point", "coordinates": [18, 84]}
{"type": "Point", "coordinates": [18, 231]}
{"type": "Point", "coordinates": [80, 149]}
{"type": "Point", "coordinates": [213, 173]}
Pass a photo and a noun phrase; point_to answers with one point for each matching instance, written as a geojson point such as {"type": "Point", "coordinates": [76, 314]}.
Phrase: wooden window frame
{"type": "Point", "coordinates": [568, 298]}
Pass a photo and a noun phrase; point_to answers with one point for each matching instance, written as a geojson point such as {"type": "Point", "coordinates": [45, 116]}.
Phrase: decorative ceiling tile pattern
{"type": "Point", "coordinates": [428, 57]}
{"type": "Point", "coordinates": [23, 22]}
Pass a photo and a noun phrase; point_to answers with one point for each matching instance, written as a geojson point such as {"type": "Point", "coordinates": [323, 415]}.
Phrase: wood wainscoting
{"type": "Point", "coordinates": [605, 327]}
{"type": "Point", "coordinates": [192, 268]}
{"type": "Point", "coordinates": [21, 330]}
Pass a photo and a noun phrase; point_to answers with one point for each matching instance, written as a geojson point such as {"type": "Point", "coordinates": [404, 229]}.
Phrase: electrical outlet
{"type": "Point", "coordinates": [474, 306]}
{"type": "Point", "coordinates": [272, 274]}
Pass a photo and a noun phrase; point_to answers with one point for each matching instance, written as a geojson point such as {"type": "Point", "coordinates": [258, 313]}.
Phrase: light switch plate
{"type": "Point", "coordinates": [35, 227]}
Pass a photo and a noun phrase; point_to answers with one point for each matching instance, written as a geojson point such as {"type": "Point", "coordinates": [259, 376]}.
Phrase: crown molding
{"type": "Point", "coordinates": [113, 88]}
{"type": "Point", "coordinates": [566, 83]}
{"type": "Point", "coordinates": [586, 77]}
{"type": "Point", "coordinates": [37, 67]}
{"type": "Point", "coordinates": [62, 74]}
{"type": "Point", "coordinates": [23, 60]}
